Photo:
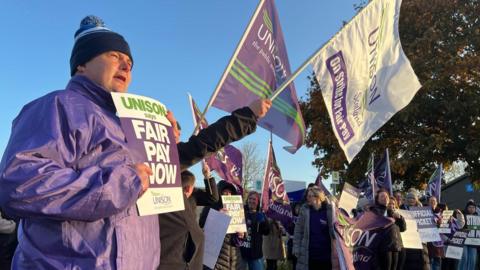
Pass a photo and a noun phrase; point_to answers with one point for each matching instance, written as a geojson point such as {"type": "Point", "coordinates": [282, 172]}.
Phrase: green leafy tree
{"type": "Point", "coordinates": [442, 123]}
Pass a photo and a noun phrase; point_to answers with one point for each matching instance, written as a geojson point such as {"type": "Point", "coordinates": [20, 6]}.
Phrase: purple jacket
{"type": "Point", "coordinates": [66, 174]}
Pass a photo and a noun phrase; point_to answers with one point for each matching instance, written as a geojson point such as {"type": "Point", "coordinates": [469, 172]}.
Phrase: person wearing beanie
{"type": "Point", "coordinates": [470, 253]}
{"type": "Point", "coordinates": [68, 175]}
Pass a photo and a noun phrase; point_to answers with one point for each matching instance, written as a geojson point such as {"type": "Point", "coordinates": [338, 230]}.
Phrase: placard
{"type": "Point", "coordinates": [234, 206]}
{"type": "Point", "coordinates": [150, 139]}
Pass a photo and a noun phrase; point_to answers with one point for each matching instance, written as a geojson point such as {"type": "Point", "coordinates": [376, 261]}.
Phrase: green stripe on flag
{"type": "Point", "coordinates": [267, 21]}
{"type": "Point", "coordinates": [260, 88]}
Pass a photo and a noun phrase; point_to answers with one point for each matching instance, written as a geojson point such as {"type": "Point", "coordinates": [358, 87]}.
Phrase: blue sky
{"type": "Point", "coordinates": [178, 46]}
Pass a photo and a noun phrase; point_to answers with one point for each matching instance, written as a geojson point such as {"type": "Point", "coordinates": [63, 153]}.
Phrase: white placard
{"type": "Point", "coordinates": [454, 252]}
{"type": "Point", "coordinates": [349, 198]}
{"type": "Point", "coordinates": [215, 229]}
{"type": "Point", "coordinates": [410, 237]}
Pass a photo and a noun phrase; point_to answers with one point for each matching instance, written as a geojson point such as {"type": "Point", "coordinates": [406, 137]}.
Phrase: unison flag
{"type": "Point", "coordinates": [227, 162]}
{"type": "Point", "coordinates": [435, 183]}
{"type": "Point", "coordinates": [257, 68]}
{"type": "Point", "coordinates": [275, 202]}
{"type": "Point", "coordinates": [364, 75]}
{"type": "Point", "coordinates": [383, 176]}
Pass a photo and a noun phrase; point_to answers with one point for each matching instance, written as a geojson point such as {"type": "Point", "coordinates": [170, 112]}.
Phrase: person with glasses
{"type": "Point", "coordinates": [312, 240]}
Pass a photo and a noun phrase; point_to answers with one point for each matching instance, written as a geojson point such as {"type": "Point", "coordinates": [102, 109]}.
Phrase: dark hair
{"type": "Point", "coordinates": [188, 179]}
{"type": "Point", "coordinates": [380, 191]}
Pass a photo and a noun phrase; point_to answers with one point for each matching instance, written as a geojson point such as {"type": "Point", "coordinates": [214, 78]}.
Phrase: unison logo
{"type": "Point", "coordinates": [265, 34]}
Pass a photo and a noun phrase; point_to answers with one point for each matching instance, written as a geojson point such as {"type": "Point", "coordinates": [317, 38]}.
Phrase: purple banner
{"type": "Point", "coordinates": [359, 240]}
{"type": "Point", "coordinates": [435, 183]}
{"type": "Point", "coordinates": [338, 72]}
{"type": "Point", "coordinates": [424, 217]}
{"type": "Point", "coordinates": [153, 143]}
{"type": "Point", "coordinates": [383, 175]}
{"type": "Point", "coordinates": [275, 202]}
{"type": "Point", "coordinates": [227, 162]}
{"type": "Point", "coordinates": [259, 68]}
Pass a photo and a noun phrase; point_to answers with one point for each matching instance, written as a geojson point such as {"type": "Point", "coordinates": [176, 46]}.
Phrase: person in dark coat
{"type": "Point", "coordinates": [229, 257]}
{"type": "Point", "coordinates": [415, 259]}
{"type": "Point", "coordinates": [181, 237]}
{"type": "Point", "coordinates": [257, 227]}
{"type": "Point", "coordinates": [8, 241]}
{"type": "Point", "coordinates": [402, 226]}
{"type": "Point", "coordinates": [386, 254]}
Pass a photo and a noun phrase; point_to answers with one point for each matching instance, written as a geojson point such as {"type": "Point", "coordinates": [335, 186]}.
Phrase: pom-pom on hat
{"type": "Point", "coordinates": [93, 39]}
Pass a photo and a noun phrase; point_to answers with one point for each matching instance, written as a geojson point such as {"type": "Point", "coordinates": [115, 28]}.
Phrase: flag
{"type": "Point", "coordinates": [275, 202]}
{"type": "Point", "coordinates": [257, 68]}
{"type": "Point", "coordinates": [364, 75]}
{"type": "Point", "coordinates": [370, 188]}
{"type": "Point", "coordinates": [383, 176]}
{"type": "Point", "coordinates": [319, 183]}
{"type": "Point", "coordinates": [227, 162]}
{"type": "Point", "coordinates": [435, 183]}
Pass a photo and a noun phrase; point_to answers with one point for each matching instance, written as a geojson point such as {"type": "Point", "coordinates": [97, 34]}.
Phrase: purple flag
{"type": "Point", "coordinates": [383, 177]}
{"type": "Point", "coordinates": [319, 183]}
{"type": "Point", "coordinates": [227, 162]}
{"type": "Point", "coordinates": [435, 183]}
{"type": "Point", "coordinates": [358, 239]}
{"type": "Point", "coordinates": [275, 202]}
{"type": "Point", "coordinates": [257, 68]}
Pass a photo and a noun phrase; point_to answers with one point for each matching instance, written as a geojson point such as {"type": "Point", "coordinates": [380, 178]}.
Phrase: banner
{"type": "Point", "coordinates": [150, 139]}
{"type": "Point", "coordinates": [275, 202]}
{"type": "Point", "coordinates": [455, 246]}
{"type": "Point", "coordinates": [234, 206]}
{"type": "Point", "coordinates": [226, 162]}
{"type": "Point", "coordinates": [383, 176]}
{"type": "Point", "coordinates": [359, 239]}
{"type": "Point", "coordinates": [426, 223]}
{"type": "Point", "coordinates": [473, 226]}
{"type": "Point", "coordinates": [435, 183]}
{"type": "Point", "coordinates": [445, 225]}
{"type": "Point", "coordinates": [364, 75]}
{"type": "Point", "coordinates": [410, 237]}
{"type": "Point", "coordinates": [349, 198]}
{"type": "Point", "coordinates": [257, 68]}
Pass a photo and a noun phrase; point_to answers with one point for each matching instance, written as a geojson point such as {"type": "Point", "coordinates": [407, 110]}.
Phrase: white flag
{"type": "Point", "coordinates": [364, 75]}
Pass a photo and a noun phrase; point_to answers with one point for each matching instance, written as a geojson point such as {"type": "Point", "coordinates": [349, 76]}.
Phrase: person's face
{"type": "Point", "coordinates": [111, 70]}
{"type": "Point", "coordinates": [432, 201]}
{"type": "Point", "coordinates": [383, 198]}
{"type": "Point", "coordinates": [471, 209]}
{"type": "Point", "coordinates": [252, 202]}
{"type": "Point", "coordinates": [398, 197]}
{"type": "Point", "coordinates": [310, 198]}
{"type": "Point", "coordinates": [391, 205]}
{"type": "Point", "coordinates": [411, 202]}
{"type": "Point", "coordinates": [188, 190]}
{"type": "Point", "coordinates": [226, 192]}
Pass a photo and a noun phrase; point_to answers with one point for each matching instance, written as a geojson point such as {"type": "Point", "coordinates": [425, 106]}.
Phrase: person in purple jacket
{"type": "Point", "coordinates": [67, 174]}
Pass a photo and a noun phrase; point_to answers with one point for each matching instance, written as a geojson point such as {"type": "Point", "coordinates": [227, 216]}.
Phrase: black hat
{"type": "Point", "coordinates": [93, 39]}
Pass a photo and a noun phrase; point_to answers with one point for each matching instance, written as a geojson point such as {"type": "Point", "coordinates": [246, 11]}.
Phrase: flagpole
{"type": "Point", "coordinates": [265, 172]}
{"type": "Point", "coordinates": [297, 72]}
{"type": "Point", "coordinates": [230, 64]}
{"type": "Point", "coordinates": [389, 173]}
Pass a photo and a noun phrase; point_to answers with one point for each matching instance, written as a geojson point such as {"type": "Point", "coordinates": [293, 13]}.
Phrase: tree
{"type": "Point", "coordinates": [253, 165]}
{"type": "Point", "coordinates": [442, 123]}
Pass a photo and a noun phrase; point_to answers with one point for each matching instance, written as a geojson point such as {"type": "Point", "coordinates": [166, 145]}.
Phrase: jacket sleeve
{"type": "Point", "coordinates": [400, 222]}
{"type": "Point", "coordinates": [41, 175]}
{"type": "Point", "coordinates": [209, 140]}
{"type": "Point", "coordinates": [263, 227]}
{"type": "Point", "coordinates": [209, 196]}
{"type": "Point", "coordinates": [298, 232]}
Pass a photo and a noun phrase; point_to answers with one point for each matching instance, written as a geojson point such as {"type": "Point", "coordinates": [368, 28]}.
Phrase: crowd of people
{"type": "Point", "coordinates": [68, 190]}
